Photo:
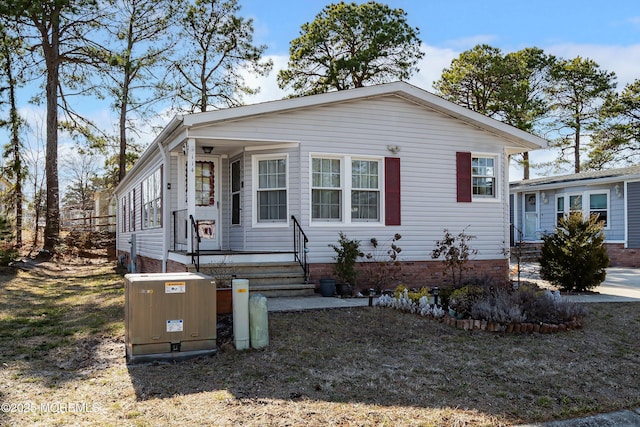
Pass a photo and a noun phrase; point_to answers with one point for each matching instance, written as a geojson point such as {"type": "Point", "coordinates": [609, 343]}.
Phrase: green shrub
{"type": "Point", "coordinates": [574, 258]}
{"type": "Point", "coordinates": [347, 252]}
{"type": "Point", "coordinates": [462, 300]}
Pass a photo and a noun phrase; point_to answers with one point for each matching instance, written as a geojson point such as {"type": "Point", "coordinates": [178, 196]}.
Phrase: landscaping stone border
{"type": "Point", "coordinates": [518, 328]}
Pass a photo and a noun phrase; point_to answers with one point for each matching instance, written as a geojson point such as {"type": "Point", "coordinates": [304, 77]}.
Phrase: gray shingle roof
{"type": "Point", "coordinates": [582, 176]}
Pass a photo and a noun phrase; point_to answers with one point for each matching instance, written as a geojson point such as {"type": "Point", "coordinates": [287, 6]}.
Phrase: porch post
{"type": "Point", "coordinates": [191, 188]}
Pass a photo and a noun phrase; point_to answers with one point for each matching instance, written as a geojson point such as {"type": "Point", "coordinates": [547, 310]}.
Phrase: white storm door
{"type": "Point", "coordinates": [207, 195]}
{"type": "Point", "coordinates": [530, 216]}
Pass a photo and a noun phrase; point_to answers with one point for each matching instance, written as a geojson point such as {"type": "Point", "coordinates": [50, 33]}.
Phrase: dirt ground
{"type": "Point", "coordinates": [62, 363]}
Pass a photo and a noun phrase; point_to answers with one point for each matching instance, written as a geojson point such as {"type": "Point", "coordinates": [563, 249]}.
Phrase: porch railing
{"type": "Point", "coordinates": [195, 243]}
{"type": "Point", "coordinates": [300, 250]}
{"type": "Point", "coordinates": [180, 228]}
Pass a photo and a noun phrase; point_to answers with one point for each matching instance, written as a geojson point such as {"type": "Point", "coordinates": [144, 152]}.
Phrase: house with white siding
{"type": "Point", "coordinates": [276, 182]}
{"type": "Point", "coordinates": [613, 195]}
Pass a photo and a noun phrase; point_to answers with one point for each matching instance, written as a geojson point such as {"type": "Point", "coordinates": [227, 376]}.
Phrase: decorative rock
{"type": "Point", "coordinates": [476, 324]}
{"type": "Point", "coordinates": [483, 325]}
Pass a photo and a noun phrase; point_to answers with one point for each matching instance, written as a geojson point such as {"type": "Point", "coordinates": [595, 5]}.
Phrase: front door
{"type": "Point", "coordinates": [530, 216]}
{"type": "Point", "coordinates": [207, 193]}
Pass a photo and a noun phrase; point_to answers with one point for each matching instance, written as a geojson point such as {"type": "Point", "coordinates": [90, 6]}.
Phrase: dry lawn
{"type": "Point", "coordinates": [62, 363]}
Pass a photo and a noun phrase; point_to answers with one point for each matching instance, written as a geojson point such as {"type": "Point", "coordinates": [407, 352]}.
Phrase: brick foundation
{"type": "Point", "coordinates": [619, 256]}
{"type": "Point", "coordinates": [428, 273]}
{"type": "Point", "coordinates": [150, 265]}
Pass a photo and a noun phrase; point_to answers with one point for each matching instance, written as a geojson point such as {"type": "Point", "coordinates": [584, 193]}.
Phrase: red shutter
{"type": "Point", "coordinates": [392, 190]}
{"type": "Point", "coordinates": [463, 176]}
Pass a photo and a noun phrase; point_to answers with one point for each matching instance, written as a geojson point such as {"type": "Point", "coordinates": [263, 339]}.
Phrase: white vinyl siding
{"type": "Point", "coordinates": [363, 129]}
{"type": "Point", "coordinates": [427, 142]}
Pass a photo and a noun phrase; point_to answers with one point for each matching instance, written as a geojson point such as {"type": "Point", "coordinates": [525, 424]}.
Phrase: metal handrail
{"type": "Point", "coordinates": [300, 250]}
{"type": "Point", "coordinates": [195, 249]}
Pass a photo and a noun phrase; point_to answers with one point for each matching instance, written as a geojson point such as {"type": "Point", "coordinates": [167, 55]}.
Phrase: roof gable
{"type": "Point", "coordinates": [523, 141]}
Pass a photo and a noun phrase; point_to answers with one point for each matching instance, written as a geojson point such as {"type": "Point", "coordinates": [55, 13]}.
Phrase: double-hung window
{"type": "Point", "coordinates": [152, 200]}
{"type": "Point", "coordinates": [599, 205]}
{"type": "Point", "coordinates": [483, 176]}
{"type": "Point", "coordinates": [326, 189]}
{"type": "Point", "coordinates": [346, 189]}
{"type": "Point", "coordinates": [271, 189]}
{"type": "Point", "coordinates": [559, 208]}
{"type": "Point", "coordinates": [365, 190]}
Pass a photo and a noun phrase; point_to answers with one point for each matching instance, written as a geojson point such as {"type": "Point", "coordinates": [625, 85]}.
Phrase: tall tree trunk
{"type": "Point", "coordinates": [525, 165]}
{"type": "Point", "coordinates": [122, 155]}
{"type": "Point", "coordinates": [51, 50]}
{"type": "Point", "coordinates": [576, 154]}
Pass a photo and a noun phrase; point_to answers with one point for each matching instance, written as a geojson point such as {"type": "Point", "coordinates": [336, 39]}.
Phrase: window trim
{"type": "Point", "coordinates": [496, 197]}
{"type": "Point", "coordinates": [233, 193]}
{"type": "Point", "coordinates": [255, 159]}
{"type": "Point", "coordinates": [346, 190]}
{"type": "Point", "coordinates": [144, 219]}
{"type": "Point", "coordinates": [585, 197]}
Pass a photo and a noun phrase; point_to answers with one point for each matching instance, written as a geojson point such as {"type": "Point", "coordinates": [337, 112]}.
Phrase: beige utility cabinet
{"type": "Point", "coordinates": [169, 315]}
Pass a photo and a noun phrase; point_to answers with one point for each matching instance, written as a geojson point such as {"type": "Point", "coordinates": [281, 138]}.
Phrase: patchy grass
{"type": "Point", "coordinates": [62, 359]}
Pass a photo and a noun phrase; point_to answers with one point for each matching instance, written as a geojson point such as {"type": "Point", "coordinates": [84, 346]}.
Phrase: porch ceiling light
{"type": "Point", "coordinates": [207, 149]}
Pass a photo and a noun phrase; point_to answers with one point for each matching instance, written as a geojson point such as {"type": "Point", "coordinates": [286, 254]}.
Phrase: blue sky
{"type": "Point", "coordinates": [607, 32]}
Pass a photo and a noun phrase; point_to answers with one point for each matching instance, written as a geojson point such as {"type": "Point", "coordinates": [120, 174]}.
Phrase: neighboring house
{"type": "Point", "coordinates": [614, 195]}
{"type": "Point", "coordinates": [370, 162]}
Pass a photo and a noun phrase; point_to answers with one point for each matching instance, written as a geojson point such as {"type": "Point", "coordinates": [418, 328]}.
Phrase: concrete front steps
{"type": "Point", "coordinates": [271, 279]}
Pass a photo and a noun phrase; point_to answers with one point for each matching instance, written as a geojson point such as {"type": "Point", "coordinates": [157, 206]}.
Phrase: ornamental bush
{"type": "Point", "coordinates": [574, 258]}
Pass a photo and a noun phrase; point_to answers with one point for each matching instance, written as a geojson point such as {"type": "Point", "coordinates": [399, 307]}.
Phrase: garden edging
{"type": "Point", "coordinates": [483, 325]}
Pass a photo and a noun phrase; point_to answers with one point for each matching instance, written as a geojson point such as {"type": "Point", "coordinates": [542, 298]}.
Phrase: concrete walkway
{"type": "Point", "coordinates": [313, 303]}
{"type": "Point", "coordinates": [620, 285]}
{"type": "Point", "coordinates": [612, 419]}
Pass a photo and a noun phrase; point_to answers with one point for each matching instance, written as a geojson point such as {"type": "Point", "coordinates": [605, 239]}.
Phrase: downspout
{"type": "Point", "coordinates": [165, 205]}
{"type": "Point", "coordinates": [243, 201]}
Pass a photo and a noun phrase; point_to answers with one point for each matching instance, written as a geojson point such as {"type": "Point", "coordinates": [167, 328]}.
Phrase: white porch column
{"type": "Point", "coordinates": [191, 188]}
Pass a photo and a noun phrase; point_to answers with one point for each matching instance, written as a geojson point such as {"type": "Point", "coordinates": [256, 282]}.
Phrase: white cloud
{"type": "Point", "coordinates": [269, 90]}
{"type": "Point", "coordinates": [623, 60]}
{"type": "Point", "coordinates": [435, 60]}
